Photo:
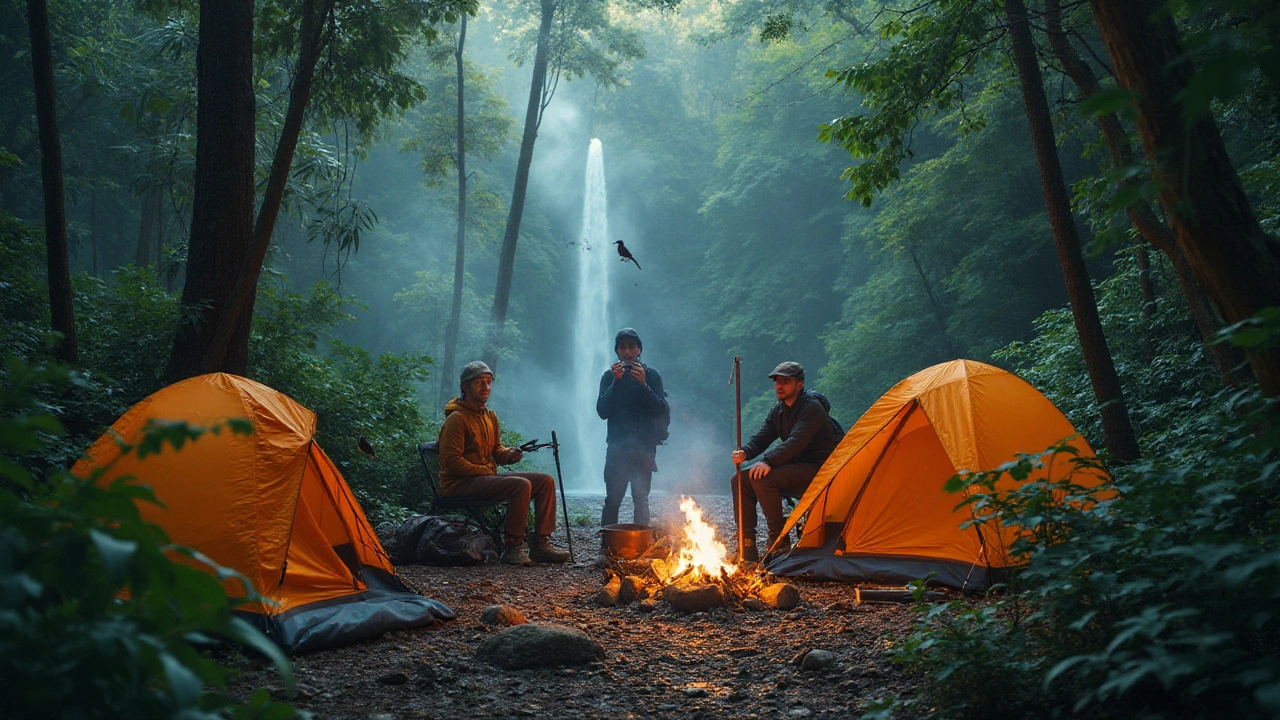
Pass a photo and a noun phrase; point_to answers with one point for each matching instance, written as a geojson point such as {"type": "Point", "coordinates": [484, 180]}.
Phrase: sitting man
{"type": "Point", "coordinates": [801, 422]}
{"type": "Point", "coordinates": [471, 449]}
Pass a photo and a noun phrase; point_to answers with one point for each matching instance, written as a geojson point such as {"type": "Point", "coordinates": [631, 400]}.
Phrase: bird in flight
{"type": "Point", "coordinates": [626, 254]}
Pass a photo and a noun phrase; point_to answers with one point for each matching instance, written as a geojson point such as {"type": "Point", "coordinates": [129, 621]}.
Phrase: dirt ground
{"type": "Point", "coordinates": [725, 663]}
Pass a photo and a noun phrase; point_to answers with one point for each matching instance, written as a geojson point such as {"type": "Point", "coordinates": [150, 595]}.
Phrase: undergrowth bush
{"type": "Point", "coordinates": [96, 619]}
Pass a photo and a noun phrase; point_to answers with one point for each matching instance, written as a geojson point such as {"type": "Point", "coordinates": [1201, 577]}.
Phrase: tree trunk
{"type": "Point", "coordinates": [939, 317]}
{"type": "Point", "coordinates": [1226, 359]}
{"type": "Point", "coordinates": [447, 384]}
{"type": "Point", "coordinates": [222, 205]}
{"type": "Point", "coordinates": [1084, 308]}
{"type": "Point", "coordinates": [507, 259]}
{"type": "Point", "coordinates": [61, 308]}
{"type": "Point", "coordinates": [229, 350]}
{"type": "Point", "coordinates": [1237, 264]}
{"type": "Point", "coordinates": [147, 227]}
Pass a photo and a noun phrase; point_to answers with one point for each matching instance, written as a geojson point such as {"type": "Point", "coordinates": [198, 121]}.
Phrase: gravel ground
{"type": "Point", "coordinates": [725, 663]}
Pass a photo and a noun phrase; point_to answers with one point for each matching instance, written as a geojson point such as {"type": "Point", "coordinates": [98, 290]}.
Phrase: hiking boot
{"type": "Point", "coordinates": [749, 553]}
{"type": "Point", "coordinates": [540, 550]}
{"type": "Point", "coordinates": [515, 555]}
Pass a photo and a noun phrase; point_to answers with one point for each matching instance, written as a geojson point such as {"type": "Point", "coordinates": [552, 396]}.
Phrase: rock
{"type": "Point", "coordinates": [630, 589]}
{"type": "Point", "coordinates": [753, 605]}
{"type": "Point", "coordinates": [693, 598]}
{"type": "Point", "coordinates": [647, 606]}
{"type": "Point", "coordinates": [798, 658]}
{"type": "Point", "coordinates": [780, 596]}
{"type": "Point", "coordinates": [608, 595]}
{"type": "Point", "coordinates": [839, 606]}
{"type": "Point", "coordinates": [799, 712]}
{"type": "Point", "coordinates": [395, 678]}
{"type": "Point", "coordinates": [503, 615]}
{"type": "Point", "coordinates": [382, 716]}
{"type": "Point", "coordinates": [817, 660]}
{"type": "Point", "coordinates": [694, 692]}
{"type": "Point", "coordinates": [539, 645]}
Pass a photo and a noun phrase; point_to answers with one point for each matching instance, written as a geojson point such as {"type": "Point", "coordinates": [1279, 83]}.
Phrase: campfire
{"type": "Point", "coordinates": [694, 575]}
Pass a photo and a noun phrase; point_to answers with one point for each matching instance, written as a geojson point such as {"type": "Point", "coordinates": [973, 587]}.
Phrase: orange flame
{"type": "Point", "coordinates": [700, 553]}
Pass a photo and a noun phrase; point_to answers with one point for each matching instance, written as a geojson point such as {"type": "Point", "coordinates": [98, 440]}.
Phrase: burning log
{"type": "Point", "coordinates": [693, 598]}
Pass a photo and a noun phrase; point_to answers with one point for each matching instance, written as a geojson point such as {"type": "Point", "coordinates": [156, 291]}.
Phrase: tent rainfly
{"type": "Point", "coordinates": [876, 511]}
{"type": "Point", "coordinates": [270, 505]}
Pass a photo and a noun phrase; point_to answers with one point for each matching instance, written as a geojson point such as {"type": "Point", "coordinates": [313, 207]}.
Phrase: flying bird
{"type": "Point", "coordinates": [626, 254]}
{"type": "Point", "coordinates": [366, 446]}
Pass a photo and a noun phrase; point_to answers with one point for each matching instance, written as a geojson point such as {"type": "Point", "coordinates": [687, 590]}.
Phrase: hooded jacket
{"type": "Point", "coordinates": [632, 408]}
{"type": "Point", "coordinates": [470, 443]}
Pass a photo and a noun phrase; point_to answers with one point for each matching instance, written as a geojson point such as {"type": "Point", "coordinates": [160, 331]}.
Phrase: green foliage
{"type": "Point", "coordinates": [100, 615]}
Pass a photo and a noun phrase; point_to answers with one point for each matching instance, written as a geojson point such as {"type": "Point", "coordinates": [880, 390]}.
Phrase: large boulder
{"type": "Point", "coordinates": [539, 645]}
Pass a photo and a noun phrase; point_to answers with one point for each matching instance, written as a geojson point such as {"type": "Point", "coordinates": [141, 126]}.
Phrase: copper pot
{"type": "Point", "coordinates": [626, 540]}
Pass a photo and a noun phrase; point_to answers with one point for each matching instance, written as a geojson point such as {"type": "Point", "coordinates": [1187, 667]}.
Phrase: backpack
{"type": "Point", "coordinates": [826, 405]}
{"type": "Point", "coordinates": [662, 424]}
{"type": "Point", "coordinates": [437, 540]}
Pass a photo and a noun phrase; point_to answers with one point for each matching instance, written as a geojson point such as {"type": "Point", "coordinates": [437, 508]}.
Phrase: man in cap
{"type": "Point", "coordinates": [470, 451]}
{"type": "Point", "coordinates": [801, 422]}
{"type": "Point", "coordinates": [634, 404]}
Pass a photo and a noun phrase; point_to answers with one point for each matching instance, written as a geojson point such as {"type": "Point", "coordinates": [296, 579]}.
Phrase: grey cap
{"type": "Point", "coordinates": [627, 334]}
{"type": "Point", "coordinates": [474, 370]}
{"type": "Point", "coordinates": [789, 369]}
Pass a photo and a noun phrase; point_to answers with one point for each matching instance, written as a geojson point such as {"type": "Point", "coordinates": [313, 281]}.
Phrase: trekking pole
{"type": "Point", "coordinates": [564, 502]}
{"type": "Point", "coordinates": [737, 467]}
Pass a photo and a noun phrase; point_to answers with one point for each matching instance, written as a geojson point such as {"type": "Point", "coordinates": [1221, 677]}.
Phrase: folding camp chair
{"type": "Point", "coordinates": [484, 513]}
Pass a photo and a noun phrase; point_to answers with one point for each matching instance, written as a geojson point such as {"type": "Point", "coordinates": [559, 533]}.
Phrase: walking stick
{"type": "Point", "coordinates": [564, 503]}
{"type": "Point", "coordinates": [737, 467]}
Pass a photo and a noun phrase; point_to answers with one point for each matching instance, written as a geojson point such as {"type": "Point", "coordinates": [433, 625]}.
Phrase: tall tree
{"type": "Point", "coordinates": [1121, 440]}
{"type": "Point", "coordinates": [222, 207]}
{"type": "Point", "coordinates": [1236, 262]}
{"type": "Point", "coordinates": [55, 218]}
{"type": "Point", "coordinates": [1143, 217]}
{"type": "Point", "coordinates": [460, 241]}
{"type": "Point", "coordinates": [538, 98]}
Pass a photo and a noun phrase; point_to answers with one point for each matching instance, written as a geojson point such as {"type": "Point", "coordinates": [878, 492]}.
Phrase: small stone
{"type": "Point", "coordinates": [839, 606]}
{"type": "Point", "coordinates": [798, 658]}
{"type": "Point", "coordinates": [502, 616]}
{"type": "Point", "coordinates": [646, 606]}
{"type": "Point", "coordinates": [818, 660]}
{"type": "Point", "coordinates": [753, 605]}
{"type": "Point", "coordinates": [395, 678]}
{"type": "Point", "coordinates": [850, 686]}
{"type": "Point", "coordinates": [780, 596]}
{"type": "Point", "coordinates": [382, 716]}
{"type": "Point", "coordinates": [630, 589]}
{"type": "Point", "coordinates": [694, 692]}
{"type": "Point", "coordinates": [799, 712]}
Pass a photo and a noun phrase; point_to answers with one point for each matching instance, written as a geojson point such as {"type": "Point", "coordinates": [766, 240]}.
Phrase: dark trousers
{"type": "Point", "coordinates": [627, 465]}
{"type": "Point", "coordinates": [516, 489]}
{"type": "Point", "coordinates": [789, 480]}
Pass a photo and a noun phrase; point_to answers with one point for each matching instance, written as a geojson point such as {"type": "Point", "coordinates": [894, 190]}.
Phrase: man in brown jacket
{"type": "Point", "coordinates": [470, 451]}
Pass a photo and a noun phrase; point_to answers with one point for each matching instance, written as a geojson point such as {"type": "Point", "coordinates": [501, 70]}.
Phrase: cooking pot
{"type": "Point", "coordinates": [626, 540]}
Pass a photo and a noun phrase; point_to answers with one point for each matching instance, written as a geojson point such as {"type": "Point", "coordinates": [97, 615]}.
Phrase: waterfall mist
{"type": "Point", "coordinates": [592, 335]}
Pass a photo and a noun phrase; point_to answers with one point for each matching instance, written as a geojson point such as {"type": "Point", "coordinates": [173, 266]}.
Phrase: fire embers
{"type": "Point", "coordinates": [695, 577]}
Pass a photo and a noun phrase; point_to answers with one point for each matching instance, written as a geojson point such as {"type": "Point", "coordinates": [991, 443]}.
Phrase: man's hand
{"type": "Point", "coordinates": [637, 372]}
{"type": "Point", "coordinates": [616, 369]}
{"type": "Point", "coordinates": [513, 456]}
{"type": "Point", "coordinates": [739, 456]}
{"type": "Point", "coordinates": [759, 470]}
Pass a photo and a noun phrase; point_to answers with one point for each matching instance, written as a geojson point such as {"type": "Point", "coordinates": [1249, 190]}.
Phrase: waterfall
{"type": "Point", "coordinates": [592, 336]}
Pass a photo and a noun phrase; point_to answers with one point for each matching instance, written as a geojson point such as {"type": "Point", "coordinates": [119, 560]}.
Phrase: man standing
{"type": "Point", "coordinates": [634, 404]}
{"type": "Point", "coordinates": [801, 422]}
{"type": "Point", "coordinates": [470, 451]}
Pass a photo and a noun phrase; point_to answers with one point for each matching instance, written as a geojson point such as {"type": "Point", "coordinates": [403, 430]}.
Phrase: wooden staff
{"type": "Point", "coordinates": [737, 467]}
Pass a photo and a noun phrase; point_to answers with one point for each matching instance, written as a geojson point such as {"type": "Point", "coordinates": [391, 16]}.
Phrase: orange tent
{"type": "Point", "coordinates": [876, 511]}
{"type": "Point", "coordinates": [270, 505]}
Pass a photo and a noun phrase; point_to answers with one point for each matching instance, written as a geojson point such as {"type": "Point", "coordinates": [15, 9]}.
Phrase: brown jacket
{"type": "Point", "coordinates": [470, 443]}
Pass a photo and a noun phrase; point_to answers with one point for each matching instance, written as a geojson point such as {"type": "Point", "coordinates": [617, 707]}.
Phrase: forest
{"type": "Point", "coordinates": [349, 200]}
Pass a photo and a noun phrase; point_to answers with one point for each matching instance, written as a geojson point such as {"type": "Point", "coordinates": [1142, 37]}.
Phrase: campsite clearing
{"type": "Point", "coordinates": [658, 664]}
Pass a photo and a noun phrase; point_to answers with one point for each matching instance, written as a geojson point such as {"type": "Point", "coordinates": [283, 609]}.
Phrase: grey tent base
{"type": "Point", "coordinates": [385, 606]}
{"type": "Point", "coordinates": [823, 564]}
